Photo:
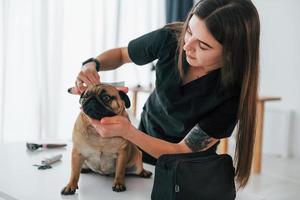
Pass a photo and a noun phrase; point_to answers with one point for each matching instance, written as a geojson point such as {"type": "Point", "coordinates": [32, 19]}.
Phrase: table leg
{"type": "Point", "coordinates": [223, 147]}
{"type": "Point", "coordinates": [134, 102]}
{"type": "Point", "coordinates": [257, 156]}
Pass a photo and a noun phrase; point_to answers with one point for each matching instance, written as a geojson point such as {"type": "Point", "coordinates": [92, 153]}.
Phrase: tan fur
{"type": "Point", "coordinates": [103, 155]}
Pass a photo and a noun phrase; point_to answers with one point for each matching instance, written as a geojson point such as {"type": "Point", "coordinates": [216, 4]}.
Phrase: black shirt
{"type": "Point", "coordinates": [173, 109]}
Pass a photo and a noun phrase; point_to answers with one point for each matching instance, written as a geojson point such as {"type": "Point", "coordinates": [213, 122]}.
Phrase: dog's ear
{"type": "Point", "coordinates": [125, 98]}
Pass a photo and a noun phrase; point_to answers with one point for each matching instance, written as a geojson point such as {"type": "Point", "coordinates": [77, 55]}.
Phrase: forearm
{"type": "Point", "coordinates": [196, 140]}
{"type": "Point", "coordinates": [112, 58]}
{"type": "Point", "coordinates": [153, 146]}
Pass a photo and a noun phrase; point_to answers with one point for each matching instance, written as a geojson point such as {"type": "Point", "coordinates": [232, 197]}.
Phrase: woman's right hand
{"type": "Point", "coordinates": [88, 75]}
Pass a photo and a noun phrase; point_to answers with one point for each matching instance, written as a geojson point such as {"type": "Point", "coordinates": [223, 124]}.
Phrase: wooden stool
{"type": "Point", "coordinates": [135, 90]}
{"type": "Point", "coordinates": [257, 154]}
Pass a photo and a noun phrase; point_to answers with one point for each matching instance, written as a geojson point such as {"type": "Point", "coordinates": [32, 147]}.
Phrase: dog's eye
{"type": "Point", "coordinates": [105, 98]}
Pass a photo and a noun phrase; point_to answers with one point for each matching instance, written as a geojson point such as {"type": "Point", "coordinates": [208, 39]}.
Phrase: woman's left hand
{"type": "Point", "coordinates": [112, 126]}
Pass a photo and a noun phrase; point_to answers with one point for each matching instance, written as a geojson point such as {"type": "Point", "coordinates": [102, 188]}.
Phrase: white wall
{"type": "Point", "coordinates": [42, 46]}
{"type": "Point", "coordinates": [280, 72]}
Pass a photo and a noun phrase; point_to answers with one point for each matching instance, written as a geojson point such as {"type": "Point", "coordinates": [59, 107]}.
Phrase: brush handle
{"type": "Point", "coordinates": [52, 146]}
{"type": "Point", "coordinates": [116, 84]}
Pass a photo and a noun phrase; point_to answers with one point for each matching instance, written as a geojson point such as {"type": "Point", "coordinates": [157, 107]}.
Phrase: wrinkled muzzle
{"type": "Point", "coordinates": [95, 108]}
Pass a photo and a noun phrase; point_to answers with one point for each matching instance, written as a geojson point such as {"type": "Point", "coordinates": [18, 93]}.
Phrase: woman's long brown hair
{"type": "Point", "coordinates": [235, 25]}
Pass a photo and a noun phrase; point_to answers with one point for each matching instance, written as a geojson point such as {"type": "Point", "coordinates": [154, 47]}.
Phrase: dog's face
{"type": "Point", "coordinates": [103, 100]}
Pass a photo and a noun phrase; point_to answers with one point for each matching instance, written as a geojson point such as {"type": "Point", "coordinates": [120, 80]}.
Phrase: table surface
{"type": "Point", "coordinates": [20, 180]}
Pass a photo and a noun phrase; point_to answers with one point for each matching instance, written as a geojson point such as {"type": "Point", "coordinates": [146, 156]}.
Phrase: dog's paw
{"type": "Point", "coordinates": [118, 187]}
{"type": "Point", "coordinates": [69, 189]}
{"type": "Point", "coordinates": [145, 174]}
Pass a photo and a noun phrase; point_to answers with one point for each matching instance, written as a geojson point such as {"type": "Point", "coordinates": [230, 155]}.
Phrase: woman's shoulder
{"type": "Point", "coordinates": [174, 28]}
{"type": "Point", "coordinates": [169, 32]}
{"type": "Point", "coordinates": [166, 39]}
{"type": "Point", "coordinates": [162, 36]}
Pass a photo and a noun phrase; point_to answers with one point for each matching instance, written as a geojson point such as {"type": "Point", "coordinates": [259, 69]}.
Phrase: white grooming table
{"type": "Point", "coordinates": [20, 180]}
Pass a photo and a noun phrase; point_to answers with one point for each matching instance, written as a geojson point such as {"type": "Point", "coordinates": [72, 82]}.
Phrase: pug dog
{"type": "Point", "coordinates": [93, 153]}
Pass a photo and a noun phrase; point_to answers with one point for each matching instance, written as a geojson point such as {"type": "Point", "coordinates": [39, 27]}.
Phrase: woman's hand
{"type": "Point", "coordinates": [87, 76]}
{"type": "Point", "coordinates": [113, 126]}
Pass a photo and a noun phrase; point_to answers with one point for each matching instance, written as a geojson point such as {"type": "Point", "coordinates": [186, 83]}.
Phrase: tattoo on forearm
{"type": "Point", "coordinates": [197, 139]}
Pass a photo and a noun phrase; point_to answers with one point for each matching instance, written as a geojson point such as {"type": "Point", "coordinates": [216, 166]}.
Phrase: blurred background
{"type": "Point", "coordinates": [44, 42]}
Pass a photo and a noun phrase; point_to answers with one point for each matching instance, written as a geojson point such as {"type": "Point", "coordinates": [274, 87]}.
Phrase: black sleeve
{"type": "Point", "coordinates": [148, 47]}
{"type": "Point", "coordinates": [221, 121]}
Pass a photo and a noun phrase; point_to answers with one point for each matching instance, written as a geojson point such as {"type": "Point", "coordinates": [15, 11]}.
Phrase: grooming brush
{"type": "Point", "coordinates": [34, 146]}
{"type": "Point", "coordinates": [74, 90]}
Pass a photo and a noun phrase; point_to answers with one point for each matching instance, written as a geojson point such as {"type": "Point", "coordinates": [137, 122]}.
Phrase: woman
{"type": "Point", "coordinates": [206, 83]}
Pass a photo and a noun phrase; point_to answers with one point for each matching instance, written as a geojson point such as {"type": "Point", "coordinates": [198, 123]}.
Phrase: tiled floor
{"type": "Point", "coordinates": [279, 180]}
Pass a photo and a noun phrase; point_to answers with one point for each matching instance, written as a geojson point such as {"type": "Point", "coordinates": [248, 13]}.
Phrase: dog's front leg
{"type": "Point", "coordinates": [119, 181]}
{"type": "Point", "coordinates": [77, 162]}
